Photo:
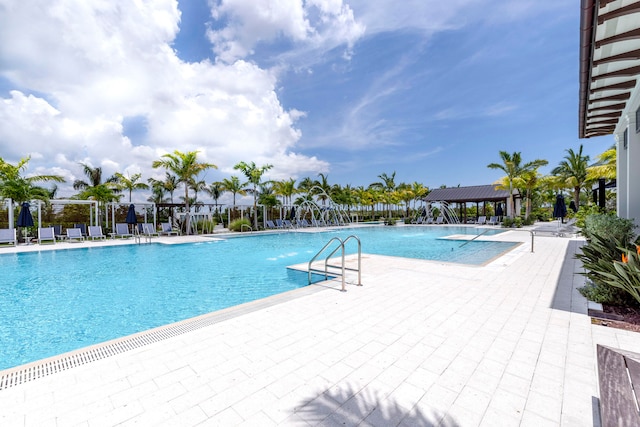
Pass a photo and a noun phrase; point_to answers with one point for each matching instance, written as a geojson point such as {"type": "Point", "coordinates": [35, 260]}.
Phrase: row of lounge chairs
{"type": "Point", "coordinates": [93, 232]}
{"type": "Point", "coordinates": [302, 223]}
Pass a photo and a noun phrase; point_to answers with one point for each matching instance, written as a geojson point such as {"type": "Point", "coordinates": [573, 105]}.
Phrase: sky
{"type": "Point", "coordinates": [352, 89]}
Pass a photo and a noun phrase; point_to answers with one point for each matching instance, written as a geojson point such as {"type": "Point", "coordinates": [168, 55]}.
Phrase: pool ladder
{"type": "Point", "coordinates": [342, 268]}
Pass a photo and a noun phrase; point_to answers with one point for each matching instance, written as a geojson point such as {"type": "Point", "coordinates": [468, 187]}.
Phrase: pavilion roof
{"type": "Point", "coordinates": [476, 193]}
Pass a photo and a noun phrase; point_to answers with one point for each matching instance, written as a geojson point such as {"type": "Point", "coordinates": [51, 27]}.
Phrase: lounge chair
{"type": "Point", "coordinates": [74, 234]}
{"type": "Point", "coordinates": [82, 227]}
{"type": "Point", "coordinates": [287, 223]}
{"type": "Point", "coordinates": [167, 229]}
{"type": "Point", "coordinates": [57, 231]}
{"type": "Point", "coordinates": [493, 221]}
{"type": "Point", "coordinates": [46, 234]}
{"type": "Point", "coordinates": [481, 220]}
{"type": "Point", "coordinates": [429, 220]}
{"type": "Point", "coordinates": [95, 232]}
{"type": "Point", "coordinates": [122, 231]}
{"type": "Point", "coordinates": [149, 230]}
{"type": "Point", "coordinates": [440, 220]}
{"type": "Point", "coordinates": [304, 223]}
{"type": "Point", "coordinates": [269, 224]}
{"type": "Point", "coordinates": [8, 235]}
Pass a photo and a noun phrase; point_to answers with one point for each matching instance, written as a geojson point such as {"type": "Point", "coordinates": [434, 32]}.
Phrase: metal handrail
{"type": "Point", "coordinates": [342, 266]}
{"type": "Point", "coordinates": [481, 234]}
{"type": "Point", "coordinates": [245, 225]}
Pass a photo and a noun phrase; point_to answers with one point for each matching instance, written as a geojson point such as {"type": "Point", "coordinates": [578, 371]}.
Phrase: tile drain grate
{"type": "Point", "coordinates": [43, 368]}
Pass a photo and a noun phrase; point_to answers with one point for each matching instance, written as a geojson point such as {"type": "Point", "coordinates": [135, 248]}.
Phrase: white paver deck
{"type": "Point", "coordinates": [420, 344]}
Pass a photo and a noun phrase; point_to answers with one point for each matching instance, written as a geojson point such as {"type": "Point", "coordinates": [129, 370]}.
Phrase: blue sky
{"type": "Point", "coordinates": [352, 89]}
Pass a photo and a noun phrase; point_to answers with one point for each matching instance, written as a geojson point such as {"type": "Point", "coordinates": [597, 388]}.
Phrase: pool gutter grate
{"type": "Point", "coordinates": [42, 368]}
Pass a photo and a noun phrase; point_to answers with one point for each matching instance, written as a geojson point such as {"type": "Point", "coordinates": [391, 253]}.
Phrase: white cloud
{"type": "Point", "coordinates": [80, 68]}
{"type": "Point", "coordinates": [308, 24]}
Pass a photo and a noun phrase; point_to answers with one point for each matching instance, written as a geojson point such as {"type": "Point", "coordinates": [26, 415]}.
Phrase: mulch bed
{"type": "Point", "coordinates": [627, 318]}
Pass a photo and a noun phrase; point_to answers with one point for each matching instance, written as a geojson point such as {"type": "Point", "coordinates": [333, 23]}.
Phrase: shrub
{"type": "Point", "coordinates": [507, 222]}
{"type": "Point", "coordinates": [598, 258]}
{"type": "Point", "coordinates": [389, 221]}
{"type": "Point", "coordinates": [625, 275]}
{"type": "Point", "coordinates": [241, 224]}
{"type": "Point", "coordinates": [517, 222]}
{"type": "Point", "coordinates": [620, 229]}
{"type": "Point", "coordinates": [584, 212]}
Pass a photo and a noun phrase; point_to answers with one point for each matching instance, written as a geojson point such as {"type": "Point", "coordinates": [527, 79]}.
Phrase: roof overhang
{"type": "Point", "coordinates": [609, 63]}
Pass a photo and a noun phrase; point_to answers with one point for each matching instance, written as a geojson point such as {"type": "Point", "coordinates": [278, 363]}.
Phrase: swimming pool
{"type": "Point", "coordinates": [53, 302]}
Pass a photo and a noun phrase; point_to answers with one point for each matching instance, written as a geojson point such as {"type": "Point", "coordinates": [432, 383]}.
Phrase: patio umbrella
{"type": "Point", "coordinates": [25, 219]}
{"type": "Point", "coordinates": [131, 215]}
{"type": "Point", "coordinates": [559, 208]}
{"type": "Point", "coordinates": [292, 213]}
{"type": "Point", "coordinates": [572, 206]}
{"type": "Point", "coordinates": [499, 211]}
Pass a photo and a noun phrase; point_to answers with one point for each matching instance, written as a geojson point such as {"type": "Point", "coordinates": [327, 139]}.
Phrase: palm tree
{"type": "Point", "coordinates": [95, 189]}
{"type": "Point", "coordinates": [305, 185]}
{"type": "Point", "coordinates": [286, 189]}
{"type": "Point", "coordinates": [20, 188]}
{"type": "Point", "coordinates": [234, 186]}
{"type": "Point", "coordinates": [528, 180]}
{"type": "Point", "coordinates": [573, 171]}
{"type": "Point", "coordinates": [322, 183]}
{"type": "Point", "coordinates": [387, 185]}
{"type": "Point", "coordinates": [513, 168]}
{"type": "Point", "coordinates": [130, 183]}
{"type": "Point", "coordinates": [186, 167]}
{"type": "Point", "coordinates": [605, 166]}
{"type": "Point", "coordinates": [419, 191]}
{"type": "Point", "coordinates": [254, 177]}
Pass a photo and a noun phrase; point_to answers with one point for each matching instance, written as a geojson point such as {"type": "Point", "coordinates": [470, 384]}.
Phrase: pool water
{"type": "Point", "coordinates": [52, 302]}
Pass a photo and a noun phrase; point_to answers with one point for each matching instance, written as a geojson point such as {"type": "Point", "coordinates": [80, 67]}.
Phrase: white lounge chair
{"type": "Point", "coordinates": [74, 234]}
{"type": "Point", "coordinates": [493, 221]}
{"type": "Point", "coordinates": [482, 220]}
{"type": "Point", "coordinates": [149, 230]}
{"type": "Point", "coordinates": [8, 235]}
{"type": "Point", "coordinates": [122, 231]}
{"type": "Point", "coordinates": [440, 220]}
{"type": "Point", "coordinates": [46, 234]}
{"type": "Point", "coordinates": [95, 232]}
{"type": "Point", "coordinates": [167, 229]}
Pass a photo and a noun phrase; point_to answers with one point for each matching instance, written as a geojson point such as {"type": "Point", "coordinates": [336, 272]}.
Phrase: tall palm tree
{"type": "Point", "coordinates": [130, 183]}
{"type": "Point", "coordinates": [513, 168]}
{"type": "Point", "coordinates": [305, 185]}
{"type": "Point", "coordinates": [529, 181]}
{"type": "Point", "coordinates": [186, 167]}
{"type": "Point", "coordinates": [233, 186]}
{"type": "Point", "coordinates": [573, 170]}
{"type": "Point", "coordinates": [95, 188]}
{"type": "Point", "coordinates": [387, 185]}
{"type": "Point", "coordinates": [215, 190]}
{"type": "Point", "coordinates": [253, 174]}
{"type": "Point", "coordinates": [322, 183]}
{"type": "Point", "coordinates": [286, 189]}
{"type": "Point", "coordinates": [419, 191]}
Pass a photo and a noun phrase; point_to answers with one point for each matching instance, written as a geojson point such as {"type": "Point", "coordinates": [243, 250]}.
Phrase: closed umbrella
{"type": "Point", "coordinates": [292, 213]}
{"type": "Point", "coordinates": [131, 215]}
{"type": "Point", "coordinates": [560, 208]}
{"type": "Point", "coordinates": [25, 219]}
{"type": "Point", "coordinates": [572, 206]}
{"type": "Point", "coordinates": [499, 211]}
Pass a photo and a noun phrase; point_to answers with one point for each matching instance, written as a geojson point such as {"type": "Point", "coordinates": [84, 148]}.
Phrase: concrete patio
{"type": "Point", "coordinates": [420, 344]}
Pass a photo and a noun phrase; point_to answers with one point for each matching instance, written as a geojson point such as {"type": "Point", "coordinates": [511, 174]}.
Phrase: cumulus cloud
{"type": "Point", "coordinates": [80, 69]}
{"type": "Point", "coordinates": [307, 24]}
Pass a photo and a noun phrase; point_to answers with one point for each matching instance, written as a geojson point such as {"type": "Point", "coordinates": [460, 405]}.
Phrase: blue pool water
{"type": "Point", "coordinates": [52, 302]}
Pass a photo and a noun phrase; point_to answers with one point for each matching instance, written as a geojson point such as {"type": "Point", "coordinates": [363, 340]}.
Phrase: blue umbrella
{"type": "Point", "coordinates": [25, 219]}
{"type": "Point", "coordinates": [131, 215]}
{"type": "Point", "coordinates": [292, 213]}
{"type": "Point", "coordinates": [499, 211]}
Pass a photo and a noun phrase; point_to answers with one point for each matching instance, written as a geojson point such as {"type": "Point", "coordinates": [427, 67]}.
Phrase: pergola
{"type": "Point", "coordinates": [609, 93]}
{"type": "Point", "coordinates": [474, 194]}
